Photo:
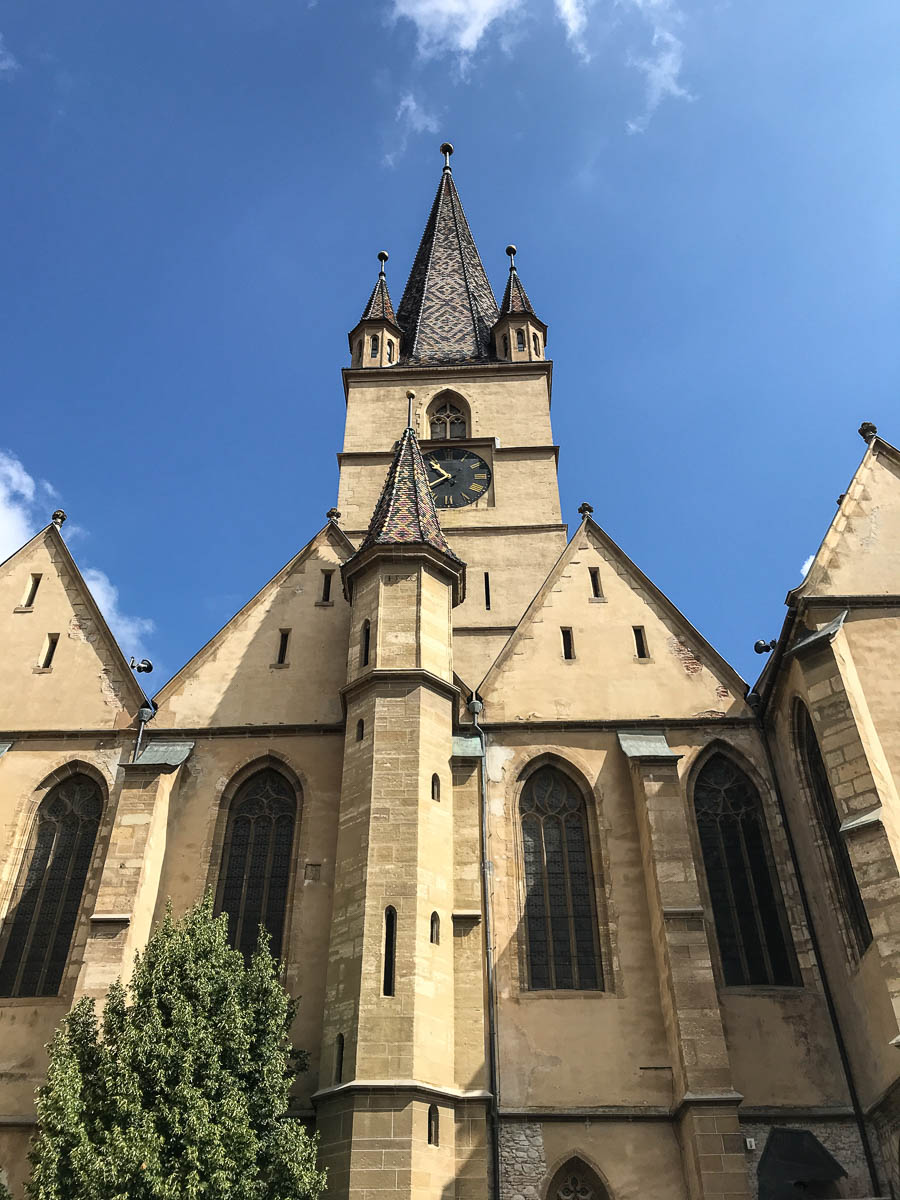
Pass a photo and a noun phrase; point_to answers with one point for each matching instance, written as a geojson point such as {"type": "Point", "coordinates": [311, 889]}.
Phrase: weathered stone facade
{"type": "Point", "coordinates": [412, 688]}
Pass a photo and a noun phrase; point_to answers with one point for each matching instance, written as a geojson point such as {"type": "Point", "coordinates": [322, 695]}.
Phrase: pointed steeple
{"type": "Point", "coordinates": [448, 307]}
{"type": "Point", "coordinates": [405, 513]}
{"type": "Point", "coordinates": [375, 340]}
{"type": "Point", "coordinates": [519, 334]}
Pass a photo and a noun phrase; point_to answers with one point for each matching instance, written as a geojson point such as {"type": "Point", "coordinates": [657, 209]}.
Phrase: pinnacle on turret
{"type": "Point", "coordinates": [448, 308]}
{"type": "Point", "coordinates": [375, 340]}
{"type": "Point", "coordinates": [379, 307]}
{"type": "Point", "coordinates": [515, 298]}
{"type": "Point", "coordinates": [519, 334]}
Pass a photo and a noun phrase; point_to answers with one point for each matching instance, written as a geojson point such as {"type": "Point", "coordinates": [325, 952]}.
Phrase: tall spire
{"type": "Point", "coordinates": [379, 307]}
{"type": "Point", "coordinates": [405, 513]}
{"type": "Point", "coordinates": [515, 298]}
{"type": "Point", "coordinates": [448, 307]}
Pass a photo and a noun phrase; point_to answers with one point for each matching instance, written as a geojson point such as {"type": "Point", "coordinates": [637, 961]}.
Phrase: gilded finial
{"type": "Point", "coordinates": [512, 252]}
{"type": "Point", "coordinates": [383, 256]}
{"type": "Point", "coordinates": [446, 150]}
{"type": "Point", "coordinates": [410, 396]}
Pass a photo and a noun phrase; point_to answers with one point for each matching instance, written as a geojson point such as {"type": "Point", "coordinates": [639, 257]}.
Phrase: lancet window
{"type": "Point", "coordinates": [447, 421]}
{"type": "Point", "coordinates": [560, 912]}
{"type": "Point", "coordinates": [44, 909]}
{"type": "Point", "coordinates": [834, 845]}
{"type": "Point", "coordinates": [256, 860]}
{"type": "Point", "coordinates": [748, 908]}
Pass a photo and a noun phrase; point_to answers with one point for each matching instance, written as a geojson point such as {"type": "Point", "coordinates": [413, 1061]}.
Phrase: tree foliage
{"type": "Point", "coordinates": [180, 1091]}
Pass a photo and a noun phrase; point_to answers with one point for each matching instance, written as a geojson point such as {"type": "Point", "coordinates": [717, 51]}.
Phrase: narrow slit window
{"type": "Point", "coordinates": [360, 730]}
{"type": "Point", "coordinates": [390, 351]}
{"type": "Point", "coordinates": [506, 345]}
{"type": "Point", "coordinates": [326, 586]}
{"type": "Point", "coordinates": [49, 650]}
{"type": "Point", "coordinates": [596, 586]}
{"type": "Point", "coordinates": [640, 642]}
{"type": "Point", "coordinates": [434, 935]}
{"type": "Point", "coordinates": [534, 342]}
{"type": "Point", "coordinates": [339, 1058]}
{"type": "Point", "coordinates": [366, 639]}
{"type": "Point", "coordinates": [31, 591]}
{"type": "Point", "coordinates": [568, 643]}
{"type": "Point", "coordinates": [358, 355]}
{"type": "Point", "coordinates": [520, 339]}
{"type": "Point", "coordinates": [435, 787]}
{"type": "Point", "coordinates": [284, 638]}
{"type": "Point", "coordinates": [487, 591]}
{"type": "Point", "coordinates": [434, 1126]}
{"type": "Point", "coordinates": [373, 352]}
{"type": "Point", "coordinates": [390, 950]}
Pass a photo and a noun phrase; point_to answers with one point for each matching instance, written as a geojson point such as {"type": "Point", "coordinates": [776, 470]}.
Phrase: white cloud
{"type": "Point", "coordinates": [25, 507]}
{"type": "Point", "coordinates": [573, 14]}
{"type": "Point", "coordinates": [128, 631]}
{"type": "Point", "coordinates": [661, 72]}
{"type": "Point", "coordinates": [453, 25]}
{"type": "Point", "coordinates": [411, 118]}
{"type": "Point", "coordinates": [8, 63]}
{"type": "Point", "coordinates": [807, 563]}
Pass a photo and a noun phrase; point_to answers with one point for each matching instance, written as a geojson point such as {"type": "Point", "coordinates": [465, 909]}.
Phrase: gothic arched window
{"type": "Point", "coordinates": [446, 419]}
{"type": "Point", "coordinates": [576, 1181]}
{"type": "Point", "coordinates": [560, 914]}
{"type": "Point", "coordinates": [835, 847]}
{"type": "Point", "coordinates": [256, 860]}
{"type": "Point", "coordinates": [44, 908]}
{"type": "Point", "coordinates": [748, 908]}
{"type": "Point", "coordinates": [520, 339]}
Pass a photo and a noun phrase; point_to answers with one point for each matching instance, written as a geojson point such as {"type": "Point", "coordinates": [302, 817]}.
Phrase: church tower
{"type": "Point", "coordinates": [481, 410]}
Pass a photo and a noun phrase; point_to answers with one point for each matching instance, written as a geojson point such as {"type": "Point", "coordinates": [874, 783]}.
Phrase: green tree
{"type": "Point", "coordinates": [181, 1091]}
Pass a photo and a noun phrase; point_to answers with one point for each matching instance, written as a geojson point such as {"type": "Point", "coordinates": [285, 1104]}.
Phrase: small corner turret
{"type": "Point", "coordinates": [518, 335]}
{"type": "Point", "coordinates": [375, 341]}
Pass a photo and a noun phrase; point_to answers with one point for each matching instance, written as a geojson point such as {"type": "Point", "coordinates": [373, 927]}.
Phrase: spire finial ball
{"type": "Point", "coordinates": [383, 256]}
{"type": "Point", "coordinates": [446, 150]}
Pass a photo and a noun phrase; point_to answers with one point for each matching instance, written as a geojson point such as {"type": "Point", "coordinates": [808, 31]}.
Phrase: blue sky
{"type": "Point", "coordinates": [704, 195]}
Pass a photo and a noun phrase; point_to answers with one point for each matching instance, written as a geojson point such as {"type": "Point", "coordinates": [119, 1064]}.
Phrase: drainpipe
{"type": "Point", "coordinates": [475, 706]}
{"type": "Point", "coordinates": [754, 702]}
{"type": "Point", "coordinates": [145, 713]}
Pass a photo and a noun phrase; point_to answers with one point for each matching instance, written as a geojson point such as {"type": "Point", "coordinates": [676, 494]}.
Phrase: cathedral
{"type": "Point", "coordinates": [573, 912]}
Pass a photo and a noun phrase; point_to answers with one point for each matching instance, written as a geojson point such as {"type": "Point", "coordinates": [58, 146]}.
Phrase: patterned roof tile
{"type": "Point", "coordinates": [448, 307]}
{"type": "Point", "coordinates": [515, 298]}
{"type": "Point", "coordinates": [379, 307]}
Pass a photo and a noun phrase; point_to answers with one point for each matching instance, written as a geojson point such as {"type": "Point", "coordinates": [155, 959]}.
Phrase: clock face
{"type": "Point", "coordinates": [456, 477]}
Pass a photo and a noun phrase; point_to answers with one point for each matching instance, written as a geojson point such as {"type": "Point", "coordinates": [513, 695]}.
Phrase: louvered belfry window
{"type": "Point", "coordinates": [748, 908]}
{"type": "Point", "coordinates": [560, 913]}
{"type": "Point", "coordinates": [256, 860]}
{"type": "Point", "coordinates": [37, 932]}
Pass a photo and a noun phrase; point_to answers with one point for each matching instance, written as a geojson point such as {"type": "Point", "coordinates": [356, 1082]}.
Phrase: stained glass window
{"type": "Point", "coordinates": [576, 1181]}
{"type": "Point", "coordinates": [748, 907]}
{"type": "Point", "coordinates": [256, 860]}
{"type": "Point", "coordinates": [38, 929]}
{"type": "Point", "coordinates": [560, 914]}
{"type": "Point", "coordinates": [829, 822]}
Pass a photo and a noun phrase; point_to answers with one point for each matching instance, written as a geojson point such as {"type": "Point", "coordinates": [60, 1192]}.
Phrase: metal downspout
{"type": "Point", "coordinates": [823, 975]}
{"type": "Point", "coordinates": [475, 706]}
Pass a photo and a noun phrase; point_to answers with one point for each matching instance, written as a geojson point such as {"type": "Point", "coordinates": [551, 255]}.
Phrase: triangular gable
{"type": "Point", "coordinates": [90, 684]}
{"type": "Point", "coordinates": [684, 677]}
{"type": "Point", "coordinates": [235, 678]}
{"type": "Point", "coordinates": [860, 553]}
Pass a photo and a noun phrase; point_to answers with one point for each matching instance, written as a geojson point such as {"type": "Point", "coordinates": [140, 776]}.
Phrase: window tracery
{"type": "Point", "coordinates": [47, 898]}
{"type": "Point", "coordinates": [256, 860]}
{"type": "Point", "coordinates": [447, 421]}
{"type": "Point", "coordinates": [748, 908]}
{"type": "Point", "coordinates": [560, 913]}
